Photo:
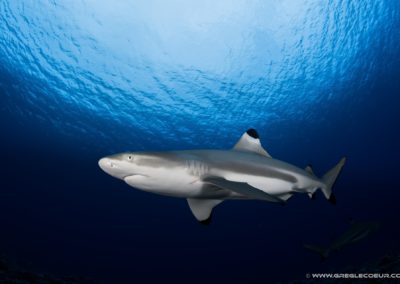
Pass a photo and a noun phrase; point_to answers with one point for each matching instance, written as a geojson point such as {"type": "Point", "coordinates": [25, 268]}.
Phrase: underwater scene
{"type": "Point", "coordinates": [126, 125]}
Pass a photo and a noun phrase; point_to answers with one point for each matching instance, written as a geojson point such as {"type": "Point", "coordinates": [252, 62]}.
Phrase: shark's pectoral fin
{"type": "Point", "coordinates": [202, 208]}
{"type": "Point", "coordinates": [242, 188]}
{"type": "Point", "coordinates": [250, 142]}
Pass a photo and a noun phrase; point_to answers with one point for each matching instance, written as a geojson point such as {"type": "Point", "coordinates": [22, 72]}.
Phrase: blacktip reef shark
{"type": "Point", "coordinates": [356, 232]}
{"type": "Point", "coordinates": [208, 177]}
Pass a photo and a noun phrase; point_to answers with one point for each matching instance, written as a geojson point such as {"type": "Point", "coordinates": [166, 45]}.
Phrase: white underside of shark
{"type": "Point", "coordinates": [208, 177]}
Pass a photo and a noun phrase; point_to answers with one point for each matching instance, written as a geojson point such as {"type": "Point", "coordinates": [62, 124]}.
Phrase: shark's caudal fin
{"type": "Point", "coordinates": [323, 252]}
{"type": "Point", "coordinates": [329, 180]}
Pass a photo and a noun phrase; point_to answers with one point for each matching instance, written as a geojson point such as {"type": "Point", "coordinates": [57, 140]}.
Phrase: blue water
{"type": "Point", "coordinates": [84, 79]}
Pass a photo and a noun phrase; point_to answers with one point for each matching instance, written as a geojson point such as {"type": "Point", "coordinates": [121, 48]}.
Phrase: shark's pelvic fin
{"type": "Point", "coordinates": [242, 188]}
{"type": "Point", "coordinates": [285, 196]}
{"type": "Point", "coordinates": [250, 142]}
{"type": "Point", "coordinates": [202, 208]}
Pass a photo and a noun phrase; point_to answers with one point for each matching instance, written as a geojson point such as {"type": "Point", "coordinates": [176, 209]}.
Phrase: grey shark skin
{"type": "Point", "coordinates": [357, 232]}
{"type": "Point", "coordinates": [208, 177]}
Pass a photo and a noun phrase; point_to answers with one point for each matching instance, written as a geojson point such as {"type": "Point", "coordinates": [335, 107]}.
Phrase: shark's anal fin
{"type": "Point", "coordinates": [202, 208]}
{"type": "Point", "coordinates": [242, 188]}
{"type": "Point", "coordinates": [250, 142]}
{"type": "Point", "coordinates": [312, 195]}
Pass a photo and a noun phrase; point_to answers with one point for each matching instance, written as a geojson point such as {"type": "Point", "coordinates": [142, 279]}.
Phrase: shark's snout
{"type": "Point", "coordinates": [114, 167]}
{"type": "Point", "coordinates": [107, 165]}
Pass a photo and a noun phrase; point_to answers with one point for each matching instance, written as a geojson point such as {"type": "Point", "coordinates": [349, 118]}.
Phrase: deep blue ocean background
{"type": "Point", "coordinates": [80, 80]}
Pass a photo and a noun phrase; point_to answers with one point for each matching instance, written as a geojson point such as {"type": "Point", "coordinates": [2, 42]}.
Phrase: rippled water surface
{"type": "Point", "coordinates": [184, 69]}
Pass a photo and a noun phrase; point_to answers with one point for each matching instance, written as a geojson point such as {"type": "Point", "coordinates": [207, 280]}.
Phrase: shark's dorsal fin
{"type": "Point", "coordinates": [202, 208]}
{"type": "Point", "coordinates": [250, 142]}
{"type": "Point", "coordinates": [309, 170]}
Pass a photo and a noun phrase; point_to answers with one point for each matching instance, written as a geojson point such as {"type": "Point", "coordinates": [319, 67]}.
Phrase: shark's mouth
{"type": "Point", "coordinates": [137, 180]}
{"type": "Point", "coordinates": [133, 175]}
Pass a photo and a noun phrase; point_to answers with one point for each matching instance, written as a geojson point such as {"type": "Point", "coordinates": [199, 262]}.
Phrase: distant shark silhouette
{"type": "Point", "coordinates": [207, 177]}
{"type": "Point", "coordinates": [357, 232]}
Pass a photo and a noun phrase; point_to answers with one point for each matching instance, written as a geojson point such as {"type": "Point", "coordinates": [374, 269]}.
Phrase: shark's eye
{"type": "Point", "coordinates": [129, 157]}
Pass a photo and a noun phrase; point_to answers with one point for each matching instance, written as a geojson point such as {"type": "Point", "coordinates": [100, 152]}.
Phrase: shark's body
{"type": "Point", "coordinates": [207, 177]}
{"type": "Point", "coordinates": [357, 232]}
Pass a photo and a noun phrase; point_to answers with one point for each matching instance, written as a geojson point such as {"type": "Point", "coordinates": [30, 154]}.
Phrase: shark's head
{"type": "Point", "coordinates": [143, 170]}
{"type": "Point", "coordinates": [368, 227]}
{"type": "Point", "coordinates": [119, 165]}
{"type": "Point", "coordinates": [128, 164]}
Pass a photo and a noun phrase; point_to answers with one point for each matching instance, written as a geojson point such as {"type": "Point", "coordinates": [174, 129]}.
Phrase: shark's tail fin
{"type": "Point", "coordinates": [329, 180]}
{"type": "Point", "coordinates": [323, 252]}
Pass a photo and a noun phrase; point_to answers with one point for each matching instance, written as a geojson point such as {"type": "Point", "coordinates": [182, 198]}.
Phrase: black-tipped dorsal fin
{"type": "Point", "coordinates": [250, 142]}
